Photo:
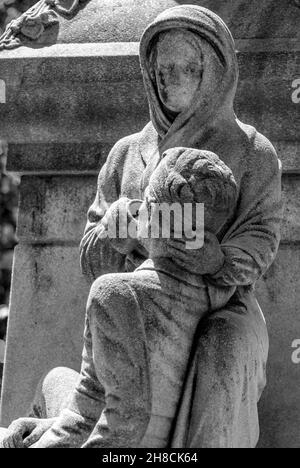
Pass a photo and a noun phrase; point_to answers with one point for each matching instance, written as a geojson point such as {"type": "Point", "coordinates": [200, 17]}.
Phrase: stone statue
{"type": "Point", "coordinates": [190, 72]}
{"type": "Point", "coordinates": [31, 25]}
{"type": "Point", "coordinates": [140, 326]}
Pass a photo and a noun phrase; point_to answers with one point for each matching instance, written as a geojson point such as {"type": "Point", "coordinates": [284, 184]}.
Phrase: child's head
{"type": "Point", "coordinates": [193, 176]}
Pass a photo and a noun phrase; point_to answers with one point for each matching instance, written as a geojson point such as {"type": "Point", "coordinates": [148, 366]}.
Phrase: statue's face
{"type": "Point", "coordinates": [178, 71]}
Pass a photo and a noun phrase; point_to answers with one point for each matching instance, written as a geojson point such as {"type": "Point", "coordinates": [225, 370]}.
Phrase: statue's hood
{"type": "Point", "coordinates": [214, 100]}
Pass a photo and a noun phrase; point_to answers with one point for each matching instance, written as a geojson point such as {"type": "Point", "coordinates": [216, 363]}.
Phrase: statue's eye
{"type": "Point", "coordinates": [190, 69]}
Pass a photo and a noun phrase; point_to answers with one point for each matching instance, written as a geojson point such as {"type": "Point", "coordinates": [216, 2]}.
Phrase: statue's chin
{"type": "Point", "coordinates": [176, 106]}
{"type": "Point", "coordinates": [171, 114]}
{"type": "Point", "coordinates": [176, 109]}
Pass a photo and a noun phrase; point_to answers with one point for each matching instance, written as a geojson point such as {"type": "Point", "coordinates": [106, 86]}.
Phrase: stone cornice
{"type": "Point", "coordinates": [251, 46]}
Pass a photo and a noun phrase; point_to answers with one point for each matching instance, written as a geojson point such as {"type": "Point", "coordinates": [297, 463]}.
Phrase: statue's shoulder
{"type": "Point", "coordinates": [261, 151]}
{"type": "Point", "coordinates": [136, 144]}
{"type": "Point", "coordinates": [125, 147]}
{"type": "Point", "coordinates": [125, 143]}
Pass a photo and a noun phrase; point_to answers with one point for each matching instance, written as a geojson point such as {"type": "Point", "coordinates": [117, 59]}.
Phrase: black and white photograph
{"type": "Point", "coordinates": [149, 226]}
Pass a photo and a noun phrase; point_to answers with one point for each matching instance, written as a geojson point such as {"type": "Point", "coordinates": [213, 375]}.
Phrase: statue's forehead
{"type": "Point", "coordinates": [178, 39]}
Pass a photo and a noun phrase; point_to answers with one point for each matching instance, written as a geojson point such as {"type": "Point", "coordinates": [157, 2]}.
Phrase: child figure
{"type": "Point", "coordinates": [140, 326]}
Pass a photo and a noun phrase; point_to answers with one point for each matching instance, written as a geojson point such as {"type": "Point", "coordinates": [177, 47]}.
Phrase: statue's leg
{"type": "Point", "coordinates": [53, 393]}
{"type": "Point", "coordinates": [121, 362]}
{"type": "Point", "coordinates": [229, 376]}
{"type": "Point", "coordinates": [51, 398]}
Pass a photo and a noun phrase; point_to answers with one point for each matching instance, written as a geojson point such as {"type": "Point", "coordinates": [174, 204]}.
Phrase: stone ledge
{"type": "Point", "coordinates": [104, 49]}
{"type": "Point", "coordinates": [290, 231]}
{"type": "Point", "coordinates": [57, 51]}
{"type": "Point", "coordinates": [87, 158]}
{"type": "Point", "coordinates": [289, 153]}
{"type": "Point", "coordinates": [55, 211]}
{"type": "Point", "coordinates": [37, 158]}
{"type": "Point", "coordinates": [66, 99]}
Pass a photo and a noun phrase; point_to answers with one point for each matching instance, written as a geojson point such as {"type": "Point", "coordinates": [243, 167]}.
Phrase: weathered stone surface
{"type": "Point", "coordinates": [70, 88]}
{"type": "Point", "coordinates": [110, 21]}
{"type": "Point", "coordinates": [58, 158]}
{"type": "Point", "coordinates": [288, 152]}
{"type": "Point", "coordinates": [49, 294]}
{"type": "Point", "coordinates": [173, 84]}
{"type": "Point", "coordinates": [125, 20]}
{"type": "Point", "coordinates": [265, 92]}
{"type": "Point", "coordinates": [55, 211]}
{"type": "Point", "coordinates": [73, 83]}
{"type": "Point", "coordinates": [290, 230]}
{"type": "Point", "coordinates": [75, 100]}
{"type": "Point", "coordinates": [278, 409]}
{"type": "Point", "coordinates": [278, 294]}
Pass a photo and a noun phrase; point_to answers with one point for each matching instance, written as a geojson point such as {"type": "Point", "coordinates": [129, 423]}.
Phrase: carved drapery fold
{"type": "Point", "coordinates": [32, 24]}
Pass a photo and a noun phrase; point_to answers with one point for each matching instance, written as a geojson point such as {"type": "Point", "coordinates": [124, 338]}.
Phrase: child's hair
{"type": "Point", "coordinates": [187, 175]}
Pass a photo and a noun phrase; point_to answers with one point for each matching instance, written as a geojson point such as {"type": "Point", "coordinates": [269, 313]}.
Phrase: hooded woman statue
{"type": "Point", "coordinates": [190, 72]}
{"type": "Point", "coordinates": [227, 372]}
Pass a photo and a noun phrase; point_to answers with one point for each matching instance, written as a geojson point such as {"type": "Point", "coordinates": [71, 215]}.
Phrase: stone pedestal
{"type": "Point", "coordinates": [62, 107]}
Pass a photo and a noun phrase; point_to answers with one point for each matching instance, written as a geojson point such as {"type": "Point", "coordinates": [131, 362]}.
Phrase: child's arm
{"type": "Point", "coordinates": [207, 260]}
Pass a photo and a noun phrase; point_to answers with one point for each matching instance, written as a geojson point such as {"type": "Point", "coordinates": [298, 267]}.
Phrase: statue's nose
{"type": "Point", "coordinates": [175, 76]}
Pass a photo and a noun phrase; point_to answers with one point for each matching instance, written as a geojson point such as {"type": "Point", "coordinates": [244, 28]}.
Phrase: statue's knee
{"type": "Point", "coordinates": [48, 391]}
{"type": "Point", "coordinates": [104, 288]}
{"type": "Point", "coordinates": [55, 377]}
{"type": "Point", "coordinates": [108, 292]}
{"type": "Point", "coordinates": [224, 339]}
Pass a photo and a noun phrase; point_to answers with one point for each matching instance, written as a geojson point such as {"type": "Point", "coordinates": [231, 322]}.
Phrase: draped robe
{"type": "Point", "coordinates": [249, 240]}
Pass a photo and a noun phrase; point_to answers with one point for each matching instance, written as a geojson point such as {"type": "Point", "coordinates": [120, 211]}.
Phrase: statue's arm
{"type": "Point", "coordinates": [253, 245]}
{"type": "Point", "coordinates": [97, 255]}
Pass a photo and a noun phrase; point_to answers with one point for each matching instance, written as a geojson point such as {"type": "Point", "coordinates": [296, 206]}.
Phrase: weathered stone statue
{"type": "Point", "coordinates": [190, 72]}
{"type": "Point", "coordinates": [140, 326]}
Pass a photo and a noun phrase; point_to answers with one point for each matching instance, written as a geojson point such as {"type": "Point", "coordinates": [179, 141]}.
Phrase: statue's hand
{"type": "Point", "coordinates": [120, 225]}
{"type": "Point", "coordinates": [205, 261]}
{"type": "Point", "coordinates": [25, 432]}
